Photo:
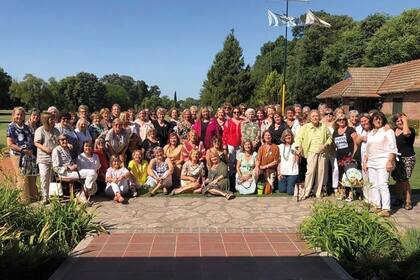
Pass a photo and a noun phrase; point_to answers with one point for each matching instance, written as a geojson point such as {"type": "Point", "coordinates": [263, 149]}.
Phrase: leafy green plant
{"type": "Point", "coordinates": [33, 237]}
{"type": "Point", "coordinates": [364, 243]}
{"type": "Point", "coordinates": [410, 264]}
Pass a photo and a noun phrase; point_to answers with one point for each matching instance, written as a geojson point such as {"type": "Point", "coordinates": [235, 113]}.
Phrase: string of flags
{"type": "Point", "coordinates": [275, 19]}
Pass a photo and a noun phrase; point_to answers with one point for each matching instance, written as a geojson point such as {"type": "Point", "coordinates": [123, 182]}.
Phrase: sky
{"type": "Point", "coordinates": [170, 43]}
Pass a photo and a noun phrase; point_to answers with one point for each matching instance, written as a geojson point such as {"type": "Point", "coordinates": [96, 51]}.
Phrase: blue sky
{"type": "Point", "coordinates": [165, 42]}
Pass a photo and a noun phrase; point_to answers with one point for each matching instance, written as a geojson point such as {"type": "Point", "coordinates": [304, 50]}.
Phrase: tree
{"type": "Point", "coordinates": [5, 82]}
{"type": "Point", "coordinates": [228, 79]}
{"type": "Point", "coordinates": [188, 102]}
{"type": "Point", "coordinates": [271, 58]}
{"type": "Point", "coordinates": [305, 79]}
{"type": "Point", "coordinates": [84, 88]}
{"type": "Point", "coordinates": [154, 91]}
{"type": "Point", "coordinates": [398, 40]}
{"type": "Point", "coordinates": [269, 90]}
{"type": "Point", "coordinates": [154, 102]}
{"type": "Point", "coordinates": [117, 94]}
{"type": "Point", "coordinates": [136, 90]}
{"type": "Point", "coordinates": [33, 92]}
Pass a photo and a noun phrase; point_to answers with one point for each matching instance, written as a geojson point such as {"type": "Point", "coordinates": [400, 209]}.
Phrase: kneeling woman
{"type": "Point", "coordinates": [65, 167]}
{"type": "Point", "coordinates": [117, 179]}
{"type": "Point", "coordinates": [160, 171]}
{"type": "Point", "coordinates": [192, 174]}
{"type": "Point", "coordinates": [217, 182]}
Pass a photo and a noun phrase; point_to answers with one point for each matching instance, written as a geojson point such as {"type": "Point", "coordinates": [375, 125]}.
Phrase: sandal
{"type": "Point", "coordinates": [230, 196]}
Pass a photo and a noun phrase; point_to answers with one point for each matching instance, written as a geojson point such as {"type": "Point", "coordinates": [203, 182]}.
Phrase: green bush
{"type": "Point", "coordinates": [410, 264]}
{"type": "Point", "coordinates": [365, 244]}
{"type": "Point", "coordinates": [33, 237]}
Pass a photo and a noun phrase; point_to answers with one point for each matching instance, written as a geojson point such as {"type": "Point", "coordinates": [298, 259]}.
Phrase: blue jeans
{"type": "Point", "coordinates": [287, 184]}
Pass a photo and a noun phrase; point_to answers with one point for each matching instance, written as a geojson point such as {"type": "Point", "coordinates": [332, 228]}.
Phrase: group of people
{"type": "Point", "coordinates": [231, 149]}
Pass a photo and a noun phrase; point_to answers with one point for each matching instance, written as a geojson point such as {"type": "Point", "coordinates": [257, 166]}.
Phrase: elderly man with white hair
{"type": "Point", "coordinates": [250, 129]}
{"type": "Point", "coordinates": [312, 141]}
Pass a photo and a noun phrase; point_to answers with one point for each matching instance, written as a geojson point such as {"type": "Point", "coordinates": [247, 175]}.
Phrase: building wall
{"type": "Point", "coordinates": [410, 105]}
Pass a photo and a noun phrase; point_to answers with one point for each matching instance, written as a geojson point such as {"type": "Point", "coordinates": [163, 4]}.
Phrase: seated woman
{"type": "Point", "coordinates": [138, 170]}
{"type": "Point", "coordinates": [117, 179]}
{"type": "Point", "coordinates": [246, 182]}
{"type": "Point", "coordinates": [64, 166]}
{"type": "Point", "coordinates": [173, 151]}
{"type": "Point", "coordinates": [160, 171]}
{"type": "Point", "coordinates": [192, 174]}
{"type": "Point", "coordinates": [217, 148]}
{"type": "Point", "coordinates": [217, 182]}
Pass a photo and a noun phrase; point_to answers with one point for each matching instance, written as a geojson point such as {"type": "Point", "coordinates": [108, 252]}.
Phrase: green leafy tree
{"type": "Point", "coordinates": [116, 94]}
{"type": "Point", "coordinates": [271, 58]}
{"type": "Point", "coordinates": [269, 90]}
{"type": "Point", "coordinates": [228, 79]}
{"type": "Point", "coordinates": [305, 79]}
{"type": "Point", "coordinates": [154, 91]}
{"type": "Point", "coordinates": [84, 88]}
{"type": "Point", "coordinates": [188, 102]}
{"type": "Point", "coordinates": [398, 40]}
{"type": "Point", "coordinates": [136, 90]}
{"type": "Point", "coordinates": [154, 102]}
{"type": "Point", "coordinates": [32, 92]}
{"type": "Point", "coordinates": [5, 82]}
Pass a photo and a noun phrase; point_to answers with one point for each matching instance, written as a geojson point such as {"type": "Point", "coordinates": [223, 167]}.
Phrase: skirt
{"type": "Point", "coordinates": [403, 169]}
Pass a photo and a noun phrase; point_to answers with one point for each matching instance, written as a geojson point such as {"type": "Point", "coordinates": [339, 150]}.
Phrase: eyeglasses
{"type": "Point", "coordinates": [329, 114]}
{"type": "Point", "coordinates": [236, 112]}
{"type": "Point", "coordinates": [227, 108]}
{"type": "Point", "coordinates": [339, 120]}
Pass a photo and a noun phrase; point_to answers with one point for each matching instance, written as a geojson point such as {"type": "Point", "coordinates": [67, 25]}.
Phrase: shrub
{"type": "Point", "coordinates": [410, 265]}
{"type": "Point", "coordinates": [33, 237]}
{"type": "Point", "coordinates": [365, 244]}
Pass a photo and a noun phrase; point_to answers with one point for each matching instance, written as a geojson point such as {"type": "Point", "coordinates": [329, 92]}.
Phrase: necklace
{"type": "Point", "coordinates": [286, 157]}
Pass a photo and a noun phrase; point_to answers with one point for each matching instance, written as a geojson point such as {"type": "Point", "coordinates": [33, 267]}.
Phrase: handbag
{"type": "Point", "coordinates": [55, 189]}
{"type": "Point", "coordinates": [28, 166]}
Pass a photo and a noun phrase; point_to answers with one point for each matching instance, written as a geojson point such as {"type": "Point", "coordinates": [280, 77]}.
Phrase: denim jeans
{"type": "Point", "coordinates": [287, 183]}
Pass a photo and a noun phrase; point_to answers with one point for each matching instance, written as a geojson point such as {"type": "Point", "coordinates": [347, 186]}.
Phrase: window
{"type": "Point", "coordinates": [397, 104]}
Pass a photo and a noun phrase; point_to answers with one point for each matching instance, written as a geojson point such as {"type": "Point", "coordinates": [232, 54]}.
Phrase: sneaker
{"type": "Point", "coordinates": [384, 213]}
{"type": "Point", "coordinates": [135, 194]}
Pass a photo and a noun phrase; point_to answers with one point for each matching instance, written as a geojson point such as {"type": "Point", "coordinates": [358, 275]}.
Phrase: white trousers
{"type": "Point", "coordinates": [379, 190]}
{"type": "Point", "coordinates": [112, 188]}
{"type": "Point", "coordinates": [45, 173]}
{"type": "Point", "coordinates": [335, 179]}
{"type": "Point", "coordinates": [90, 177]}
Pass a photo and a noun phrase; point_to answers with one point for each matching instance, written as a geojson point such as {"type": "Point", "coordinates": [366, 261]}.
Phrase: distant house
{"type": "Point", "coordinates": [396, 87]}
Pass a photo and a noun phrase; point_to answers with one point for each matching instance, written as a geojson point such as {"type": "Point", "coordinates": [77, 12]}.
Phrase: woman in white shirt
{"type": "Point", "coordinates": [381, 150]}
{"type": "Point", "coordinates": [288, 168]}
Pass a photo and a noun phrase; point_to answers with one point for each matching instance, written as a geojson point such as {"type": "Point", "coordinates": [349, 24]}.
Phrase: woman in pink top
{"type": "Point", "coordinates": [232, 137]}
{"type": "Point", "coordinates": [206, 127]}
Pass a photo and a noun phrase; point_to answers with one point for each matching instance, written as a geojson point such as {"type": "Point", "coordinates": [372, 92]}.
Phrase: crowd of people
{"type": "Point", "coordinates": [219, 152]}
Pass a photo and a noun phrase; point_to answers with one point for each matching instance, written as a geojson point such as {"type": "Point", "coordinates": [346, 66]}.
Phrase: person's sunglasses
{"type": "Point", "coordinates": [329, 114]}
{"type": "Point", "coordinates": [339, 120]}
{"type": "Point", "coordinates": [236, 112]}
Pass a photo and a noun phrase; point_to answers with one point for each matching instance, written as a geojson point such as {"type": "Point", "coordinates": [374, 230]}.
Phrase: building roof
{"type": "Point", "coordinates": [377, 81]}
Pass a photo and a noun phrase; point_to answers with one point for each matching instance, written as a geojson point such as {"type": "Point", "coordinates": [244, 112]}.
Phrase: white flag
{"type": "Point", "coordinates": [280, 20]}
{"type": "Point", "coordinates": [312, 19]}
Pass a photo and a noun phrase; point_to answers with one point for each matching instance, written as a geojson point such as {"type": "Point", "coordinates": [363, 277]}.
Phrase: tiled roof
{"type": "Point", "coordinates": [404, 77]}
{"type": "Point", "coordinates": [373, 82]}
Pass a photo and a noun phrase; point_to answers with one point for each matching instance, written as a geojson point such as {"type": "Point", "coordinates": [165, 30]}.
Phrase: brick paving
{"type": "Point", "coordinates": [198, 256]}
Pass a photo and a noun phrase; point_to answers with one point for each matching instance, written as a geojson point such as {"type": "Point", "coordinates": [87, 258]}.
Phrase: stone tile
{"type": "Point", "coordinates": [142, 238]}
{"type": "Point", "coordinates": [236, 246]}
{"type": "Point", "coordinates": [115, 247]}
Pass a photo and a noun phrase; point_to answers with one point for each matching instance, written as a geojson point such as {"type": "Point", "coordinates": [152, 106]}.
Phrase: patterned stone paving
{"type": "Point", "coordinates": [215, 214]}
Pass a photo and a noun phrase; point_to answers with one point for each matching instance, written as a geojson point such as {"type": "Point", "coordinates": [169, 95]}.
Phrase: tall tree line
{"type": "Point", "coordinates": [317, 58]}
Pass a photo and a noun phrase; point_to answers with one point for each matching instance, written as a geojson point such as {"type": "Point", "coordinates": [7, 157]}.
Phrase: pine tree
{"type": "Point", "coordinates": [228, 80]}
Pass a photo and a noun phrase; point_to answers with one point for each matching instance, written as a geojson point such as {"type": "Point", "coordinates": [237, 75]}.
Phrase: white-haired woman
{"type": "Point", "coordinates": [250, 129]}
{"type": "Point", "coordinates": [82, 133]}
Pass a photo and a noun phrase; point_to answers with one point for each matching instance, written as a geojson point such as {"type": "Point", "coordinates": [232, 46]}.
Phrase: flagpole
{"type": "Point", "coordinates": [283, 89]}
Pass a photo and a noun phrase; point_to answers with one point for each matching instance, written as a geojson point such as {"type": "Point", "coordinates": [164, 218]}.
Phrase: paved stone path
{"type": "Point", "coordinates": [215, 214]}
